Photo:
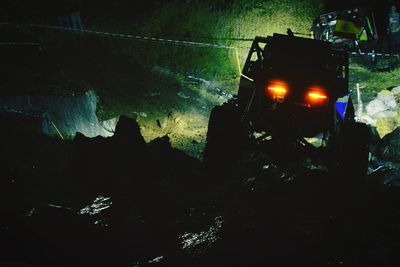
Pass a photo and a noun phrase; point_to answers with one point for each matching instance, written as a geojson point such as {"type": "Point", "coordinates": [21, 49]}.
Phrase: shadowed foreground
{"type": "Point", "coordinates": [120, 201]}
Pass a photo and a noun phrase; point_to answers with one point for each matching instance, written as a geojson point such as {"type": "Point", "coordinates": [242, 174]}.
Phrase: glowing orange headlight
{"type": "Point", "coordinates": [277, 90]}
{"type": "Point", "coordinates": [316, 96]}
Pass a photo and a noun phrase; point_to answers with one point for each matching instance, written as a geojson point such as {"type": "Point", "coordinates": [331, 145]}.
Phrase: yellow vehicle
{"type": "Point", "coordinates": [351, 29]}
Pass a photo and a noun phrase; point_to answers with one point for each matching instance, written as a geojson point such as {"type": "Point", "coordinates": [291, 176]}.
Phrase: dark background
{"type": "Point", "coordinates": [119, 9]}
{"type": "Point", "coordinates": [131, 13]}
{"type": "Point", "coordinates": [46, 10]}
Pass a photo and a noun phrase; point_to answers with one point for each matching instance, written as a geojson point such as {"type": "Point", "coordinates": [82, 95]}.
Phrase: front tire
{"type": "Point", "coordinates": [225, 137]}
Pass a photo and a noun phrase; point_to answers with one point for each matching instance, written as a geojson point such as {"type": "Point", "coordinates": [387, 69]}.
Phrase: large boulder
{"type": "Point", "coordinates": [61, 115]}
{"type": "Point", "coordinates": [127, 133]}
{"type": "Point", "coordinates": [130, 159]}
{"type": "Point", "coordinates": [383, 112]}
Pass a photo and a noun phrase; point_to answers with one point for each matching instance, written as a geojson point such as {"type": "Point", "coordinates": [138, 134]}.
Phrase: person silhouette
{"type": "Point", "coordinates": [393, 29]}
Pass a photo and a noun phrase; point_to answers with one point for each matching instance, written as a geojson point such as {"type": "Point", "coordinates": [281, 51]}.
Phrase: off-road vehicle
{"type": "Point", "coordinates": [352, 29]}
{"type": "Point", "coordinates": [291, 89]}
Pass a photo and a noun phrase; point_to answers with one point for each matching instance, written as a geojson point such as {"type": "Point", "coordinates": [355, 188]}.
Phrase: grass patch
{"type": "Point", "coordinates": [204, 21]}
{"type": "Point", "coordinates": [372, 82]}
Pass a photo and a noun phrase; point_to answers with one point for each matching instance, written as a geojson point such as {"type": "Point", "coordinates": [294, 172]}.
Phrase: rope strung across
{"type": "Point", "coordinates": [370, 54]}
{"type": "Point", "coordinates": [147, 38]}
{"type": "Point", "coordinates": [130, 36]}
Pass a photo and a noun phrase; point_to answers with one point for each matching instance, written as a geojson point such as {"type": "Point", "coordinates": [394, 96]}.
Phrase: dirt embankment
{"type": "Point", "coordinates": [163, 102]}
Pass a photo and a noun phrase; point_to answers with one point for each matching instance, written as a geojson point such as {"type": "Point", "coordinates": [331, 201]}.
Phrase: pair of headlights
{"type": "Point", "coordinates": [314, 96]}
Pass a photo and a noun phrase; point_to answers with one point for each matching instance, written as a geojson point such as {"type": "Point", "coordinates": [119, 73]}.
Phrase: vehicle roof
{"type": "Point", "coordinates": [288, 44]}
{"type": "Point", "coordinates": [298, 52]}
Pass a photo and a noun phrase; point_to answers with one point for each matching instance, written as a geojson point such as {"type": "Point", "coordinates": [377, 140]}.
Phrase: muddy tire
{"type": "Point", "coordinates": [225, 137]}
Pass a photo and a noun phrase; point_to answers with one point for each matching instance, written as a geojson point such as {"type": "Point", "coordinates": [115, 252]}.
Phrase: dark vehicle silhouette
{"type": "Point", "coordinates": [291, 89]}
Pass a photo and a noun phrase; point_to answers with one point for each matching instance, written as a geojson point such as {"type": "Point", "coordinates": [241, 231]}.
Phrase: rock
{"type": "Point", "coordinates": [386, 125]}
{"type": "Point", "coordinates": [109, 125]}
{"type": "Point", "coordinates": [169, 159]}
{"type": "Point", "coordinates": [62, 115]}
{"type": "Point", "coordinates": [161, 144]}
{"type": "Point", "coordinates": [382, 113]}
{"type": "Point", "coordinates": [129, 151]}
{"type": "Point", "coordinates": [127, 132]}
{"type": "Point", "coordinates": [396, 90]}
{"type": "Point", "coordinates": [389, 148]}
{"type": "Point", "coordinates": [80, 138]}
{"type": "Point", "coordinates": [368, 119]}
{"type": "Point", "coordinates": [383, 105]}
{"type": "Point", "coordinates": [374, 107]}
{"type": "Point", "coordinates": [387, 97]}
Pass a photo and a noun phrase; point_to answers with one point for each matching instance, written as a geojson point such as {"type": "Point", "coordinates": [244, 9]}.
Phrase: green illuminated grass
{"type": "Point", "coordinates": [203, 21]}
{"type": "Point", "coordinates": [372, 82]}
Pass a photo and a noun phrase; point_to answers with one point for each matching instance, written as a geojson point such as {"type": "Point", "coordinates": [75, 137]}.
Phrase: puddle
{"type": "Point", "coordinates": [197, 243]}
